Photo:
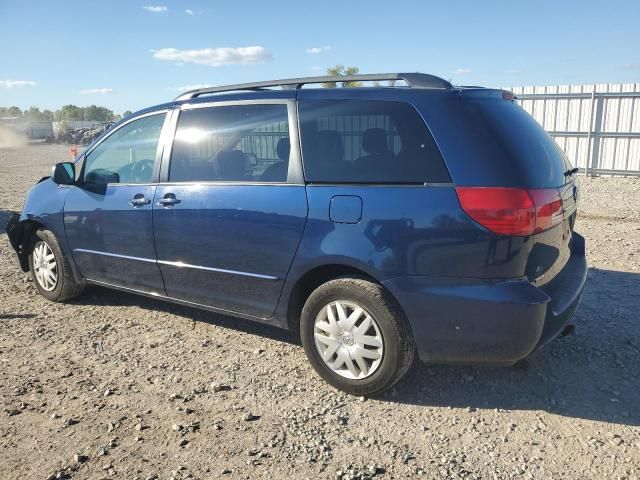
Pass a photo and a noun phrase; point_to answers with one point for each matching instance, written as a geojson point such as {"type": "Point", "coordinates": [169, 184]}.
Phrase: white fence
{"type": "Point", "coordinates": [598, 126]}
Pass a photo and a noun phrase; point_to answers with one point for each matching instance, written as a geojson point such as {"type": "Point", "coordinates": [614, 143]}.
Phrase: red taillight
{"type": "Point", "coordinates": [548, 208]}
{"type": "Point", "coordinates": [512, 211]}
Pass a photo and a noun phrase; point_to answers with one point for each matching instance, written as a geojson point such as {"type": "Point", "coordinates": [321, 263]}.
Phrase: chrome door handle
{"type": "Point", "coordinates": [169, 200]}
{"type": "Point", "coordinates": [139, 200]}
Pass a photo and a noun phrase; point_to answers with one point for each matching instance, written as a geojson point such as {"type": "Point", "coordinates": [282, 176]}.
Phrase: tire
{"type": "Point", "coordinates": [43, 245]}
{"type": "Point", "coordinates": [372, 375]}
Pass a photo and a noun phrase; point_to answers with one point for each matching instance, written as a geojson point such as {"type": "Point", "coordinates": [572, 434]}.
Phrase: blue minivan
{"type": "Point", "coordinates": [379, 222]}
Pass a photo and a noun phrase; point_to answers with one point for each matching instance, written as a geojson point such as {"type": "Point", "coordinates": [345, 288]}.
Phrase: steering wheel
{"type": "Point", "coordinates": [142, 170]}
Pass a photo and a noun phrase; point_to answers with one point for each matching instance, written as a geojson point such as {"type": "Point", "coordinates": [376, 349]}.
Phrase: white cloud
{"type": "Point", "coordinates": [155, 8]}
{"type": "Point", "coordinates": [461, 71]}
{"type": "Point", "coordinates": [188, 11]}
{"type": "Point", "coordinates": [93, 91]}
{"type": "Point", "coordinates": [16, 83]}
{"type": "Point", "coordinates": [215, 57]}
{"type": "Point", "coordinates": [185, 88]}
{"type": "Point", "coordinates": [314, 50]}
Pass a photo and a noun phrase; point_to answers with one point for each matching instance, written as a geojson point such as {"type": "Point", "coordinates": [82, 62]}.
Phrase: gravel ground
{"type": "Point", "coordinates": [118, 386]}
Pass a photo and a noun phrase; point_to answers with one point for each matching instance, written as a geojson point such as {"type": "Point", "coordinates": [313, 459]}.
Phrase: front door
{"type": "Point", "coordinates": [108, 216]}
{"type": "Point", "coordinates": [229, 216]}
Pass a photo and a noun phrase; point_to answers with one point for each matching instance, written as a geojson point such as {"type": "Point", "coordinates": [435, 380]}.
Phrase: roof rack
{"type": "Point", "coordinates": [415, 80]}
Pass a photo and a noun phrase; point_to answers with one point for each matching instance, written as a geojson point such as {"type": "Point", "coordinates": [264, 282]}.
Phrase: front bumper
{"type": "Point", "coordinates": [14, 230]}
{"type": "Point", "coordinates": [495, 322]}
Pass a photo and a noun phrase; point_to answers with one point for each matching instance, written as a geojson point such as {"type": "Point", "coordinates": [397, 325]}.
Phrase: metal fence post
{"type": "Point", "coordinates": [589, 131]}
{"type": "Point", "coordinates": [597, 128]}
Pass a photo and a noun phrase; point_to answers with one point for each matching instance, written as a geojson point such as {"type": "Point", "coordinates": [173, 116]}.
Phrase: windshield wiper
{"type": "Point", "coordinates": [571, 171]}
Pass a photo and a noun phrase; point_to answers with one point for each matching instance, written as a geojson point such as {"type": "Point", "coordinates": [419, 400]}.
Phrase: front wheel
{"type": "Point", "coordinates": [356, 336]}
{"type": "Point", "coordinates": [50, 269]}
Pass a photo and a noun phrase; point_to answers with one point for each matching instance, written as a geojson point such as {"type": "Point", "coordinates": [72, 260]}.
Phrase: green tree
{"type": "Point", "coordinates": [34, 114]}
{"type": "Point", "coordinates": [47, 115]}
{"type": "Point", "coordinates": [63, 126]}
{"type": "Point", "coordinates": [340, 71]}
{"type": "Point", "coordinates": [69, 113]}
{"type": "Point", "coordinates": [97, 114]}
{"type": "Point", "coordinates": [126, 113]}
{"type": "Point", "coordinates": [10, 112]}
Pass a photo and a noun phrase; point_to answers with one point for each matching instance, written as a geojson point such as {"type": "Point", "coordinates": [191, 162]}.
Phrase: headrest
{"type": "Point", "coordinates": [231, 165]}
{"type": "Point", "coordinates": [374, 140]}
{"type": "Point", "coordinates": [283, 148]}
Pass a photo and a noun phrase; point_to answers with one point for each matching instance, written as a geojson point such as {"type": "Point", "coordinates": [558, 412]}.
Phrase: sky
{"type": "Point", "coordinates": [127, 55]}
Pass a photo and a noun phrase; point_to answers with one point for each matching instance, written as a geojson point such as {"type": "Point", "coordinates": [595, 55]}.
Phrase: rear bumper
{"type": "Point", "coordinates": [476, 321]}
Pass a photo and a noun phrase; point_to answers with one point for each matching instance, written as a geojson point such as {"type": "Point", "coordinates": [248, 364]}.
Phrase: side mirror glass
{"type": "Point", "coordinates": [64, 173]}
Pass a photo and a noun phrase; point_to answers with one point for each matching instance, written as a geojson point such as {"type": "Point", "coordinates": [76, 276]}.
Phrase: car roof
{"type": "Point", "coordinates": [390, 93]}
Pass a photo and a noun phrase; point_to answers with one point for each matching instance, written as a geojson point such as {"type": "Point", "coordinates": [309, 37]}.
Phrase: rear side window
{"type": "Point", "coordinates": [239, 143]}
{"type": "Point", "coordinates": [353, 141]}
{"type": "Point", "coordinates": [518, 140]}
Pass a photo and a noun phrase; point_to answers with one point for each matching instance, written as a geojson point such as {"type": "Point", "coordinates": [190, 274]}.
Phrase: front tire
{"type": "Point", "coordinates": [50, 269]}
{"type": "Point", "coordinates": [356, 336]}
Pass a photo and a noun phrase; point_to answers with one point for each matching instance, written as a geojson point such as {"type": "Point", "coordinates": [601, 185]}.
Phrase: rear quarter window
{"type": "Point", "coordinates": [354, 141]}
{"type": "Point", "coordinates": [518, 141]}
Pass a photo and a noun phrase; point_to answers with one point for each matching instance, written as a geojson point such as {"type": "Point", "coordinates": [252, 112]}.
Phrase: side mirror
{"type": "Point", "coordinates": [64, 173]}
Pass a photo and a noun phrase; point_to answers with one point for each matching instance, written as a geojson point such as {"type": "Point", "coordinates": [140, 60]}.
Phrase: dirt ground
{"type": "Point", "coordinates": [115, 386]}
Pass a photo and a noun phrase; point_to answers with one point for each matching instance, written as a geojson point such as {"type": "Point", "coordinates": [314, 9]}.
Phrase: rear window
{"type": "Point", "coordinates": [516, 135]}
{"type": "Point", "coordinates": [351, 141]}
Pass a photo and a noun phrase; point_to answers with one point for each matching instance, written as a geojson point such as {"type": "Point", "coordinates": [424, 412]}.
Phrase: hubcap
{"type": "Point", "coordinates": [348, 339]}
{"type": "Point", "coordinates": [45, 266]}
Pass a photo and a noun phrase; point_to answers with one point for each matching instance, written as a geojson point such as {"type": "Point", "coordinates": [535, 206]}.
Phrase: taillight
{"type": "Point", "coordinates": [512, 211]}
{"type": "Point", "coordinates": [549, 212]}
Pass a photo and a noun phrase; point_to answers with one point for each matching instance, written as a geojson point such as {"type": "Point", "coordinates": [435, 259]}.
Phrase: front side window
{"type": "Point", "coordinates": [238, 143]}
{"type": "Point", "coordinates": [126, 156]}
{"type": "Point", "coordinates": [353, 141]}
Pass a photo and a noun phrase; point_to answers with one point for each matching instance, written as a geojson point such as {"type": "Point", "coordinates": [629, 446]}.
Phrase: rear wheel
{"type": "Point", "coordinates": [50, 269]}
{"type": "Point", "coordinates": [356, 336]}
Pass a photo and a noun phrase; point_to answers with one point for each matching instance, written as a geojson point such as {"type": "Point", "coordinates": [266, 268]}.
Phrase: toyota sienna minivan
{"type": "Point", "coordinates": [379, 222]}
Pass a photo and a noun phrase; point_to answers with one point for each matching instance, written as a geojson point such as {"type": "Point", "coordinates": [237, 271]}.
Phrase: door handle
{"type": "Point", "coordinates": [139, 200]}
{"type": "Point", "coordinates": [169, 200]}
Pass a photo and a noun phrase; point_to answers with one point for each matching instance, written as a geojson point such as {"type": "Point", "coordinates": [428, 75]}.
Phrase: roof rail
{"type": "Point", "coordinates": [416, 80]}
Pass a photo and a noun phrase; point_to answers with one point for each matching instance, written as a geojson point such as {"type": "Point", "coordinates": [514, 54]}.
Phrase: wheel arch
{"type": "Point", "coordinates": [316, 276]}
{"type": "Point", "coordinates": [20, 236]}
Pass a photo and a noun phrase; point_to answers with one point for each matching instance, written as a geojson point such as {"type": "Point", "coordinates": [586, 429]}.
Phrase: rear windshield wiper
{"type": "Point", "coordinates": [571, 171]}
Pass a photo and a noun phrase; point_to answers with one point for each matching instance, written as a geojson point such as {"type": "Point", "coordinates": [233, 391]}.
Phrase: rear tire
{"type": "Point", "coordinates": [356, 336]}
{"type": "Point", "coordinates": [50, 269]}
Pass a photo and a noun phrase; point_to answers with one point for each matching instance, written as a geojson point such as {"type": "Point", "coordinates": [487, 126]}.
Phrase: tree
{"type": "Point", "coordinates": [10, 112]}
{"type": "Point", "coordinates": [69, 113]}
{"type": "Point", "coordinates": [340, 71]}
{"type": "Point", "coordinates": [34, 114]}
{"type": "Point", "coordinates": [126, 113]}
{"type": "Point", "coordinates": [97, 114]}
